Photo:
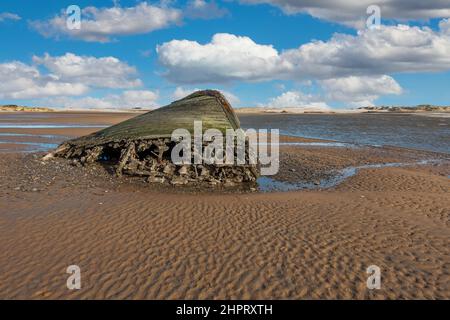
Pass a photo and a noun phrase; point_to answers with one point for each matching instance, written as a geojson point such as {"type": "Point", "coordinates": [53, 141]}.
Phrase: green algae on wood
{"type": "Point", "coordinates": [208, 106]}
{"type": "Point", "coordinates": [142, 146]}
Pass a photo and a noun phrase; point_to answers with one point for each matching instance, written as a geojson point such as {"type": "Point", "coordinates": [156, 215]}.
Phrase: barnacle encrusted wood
{"type": "Point", "coordinates": [142, 145]}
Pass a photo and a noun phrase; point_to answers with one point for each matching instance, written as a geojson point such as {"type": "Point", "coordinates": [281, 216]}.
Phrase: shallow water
{"type": "Point", "coordinates": [267, 184]}
{"type": "Point", "coordinates": [27, 142]}
{"type": "Point", "coordinates": [317, 144]}
{"type": "Point", "coordinates": [46, 136]}
{"type": "Point", "coordinates": [430, 133]}
{"type": "Point", "coordinates": [422, 131]}
{"type": "Point", "coordinates": [46, 126]}
{"type": "Point", "coordinates": [13, 140]}
{"type": "Point", "coordinates": [28, 146]}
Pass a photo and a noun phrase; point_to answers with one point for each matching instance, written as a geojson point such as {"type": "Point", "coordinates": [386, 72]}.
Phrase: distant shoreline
{"type": "Point", "coordinates": [422, 109]}
{"type": "Point", "coordinates": [381, 109]}
{"type": "Point", "coordinates": [14, 108]}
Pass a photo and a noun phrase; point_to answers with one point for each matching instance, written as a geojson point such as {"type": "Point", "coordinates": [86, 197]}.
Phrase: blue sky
{"type": "Point", "coordinates": [273, 57]}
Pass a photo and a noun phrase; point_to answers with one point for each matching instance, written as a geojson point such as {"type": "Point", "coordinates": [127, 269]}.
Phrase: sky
{"type": "Point", "coordinates": [272, 53]}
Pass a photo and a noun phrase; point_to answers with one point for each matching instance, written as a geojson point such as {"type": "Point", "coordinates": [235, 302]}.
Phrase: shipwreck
{"type": "Point", "coordinates": [142, 146]}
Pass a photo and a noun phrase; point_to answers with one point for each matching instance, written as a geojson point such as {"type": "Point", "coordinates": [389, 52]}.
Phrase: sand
{"type": "Point", "coordinates": [83, 118]}
{"type": "Point", "coordinates": [135, 241]}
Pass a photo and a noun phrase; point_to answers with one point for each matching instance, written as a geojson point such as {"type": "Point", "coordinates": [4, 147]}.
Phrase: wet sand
{"type": "Point", "coordinates": [137, 241]}
{"type": "Point", "coordinates": [39, 127]}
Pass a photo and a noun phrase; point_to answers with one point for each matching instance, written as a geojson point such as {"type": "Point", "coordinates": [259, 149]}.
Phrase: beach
{"type": "Point", "coordinates": [310, 232]}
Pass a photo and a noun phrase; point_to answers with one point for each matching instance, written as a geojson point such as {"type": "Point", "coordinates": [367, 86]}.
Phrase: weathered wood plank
{"type": "Point", "coordinates": [209, 106]}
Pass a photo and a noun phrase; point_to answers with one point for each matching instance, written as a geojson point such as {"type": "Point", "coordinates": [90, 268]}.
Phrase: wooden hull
{"type": "Point", "coordinates": [209, 106]}
{"type": "Point", "coordinates": [142, 146]}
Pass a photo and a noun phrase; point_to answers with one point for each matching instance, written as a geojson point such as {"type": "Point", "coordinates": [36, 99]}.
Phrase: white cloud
{"type": "Point", "coordinates": [353, 91]}
{"type": "Point", "coordinates": [298, 100]}
{"type": "Point", "coordinates": [201, 9]}
{"type": "Point", "coordinates": [364, 60]}
{"type": "Point", "coordinates": [105, 72]}
{"type": "Point", "coordinates": [226, 58]}
{"type": "Point", "coordinates": [139, 98]}
{"type": "Point", "coordinates": [360, 91]}
{"type": "Point", "coordinates": [181, 93]}
{"type": "Point", "coordinates": [232, 99]}
{"type": "Point", "coordinates": [100, 24]}
{"type": "Point", "coordinates": [9, 16]}
{"type": "Point", "coordinates": [22, 81]}
{"type": "Point", "coordinates": [130, 99]}
{"type": "Point", "coordinates": [390, 49]}
{"type": "Point", "coordinates": [444, 25]}
{"type": "Point", "coordinates": [353, 12]}
{"type": "Point", "coordinates": [67, 75]}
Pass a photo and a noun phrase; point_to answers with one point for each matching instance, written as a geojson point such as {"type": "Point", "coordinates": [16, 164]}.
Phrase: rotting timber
{"type": "Point", "coordinates": [142, 146]}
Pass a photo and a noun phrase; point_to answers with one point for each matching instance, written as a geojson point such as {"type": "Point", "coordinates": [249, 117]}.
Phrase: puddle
{"type": "Point", "coordinates": [317, 144]}
{"type": "Point", "coordinates": [45, 136]}
{"type": "Point", "coordinates": [267, 184]}
{"type": "Point", "coordinates": [28, 146]}
{"type": "Point", "coordinates": [47, 126]}
{"type": "Point", "coordinates": [434, 115]}
{"type": "Point", "coordinates": [25, 142]}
